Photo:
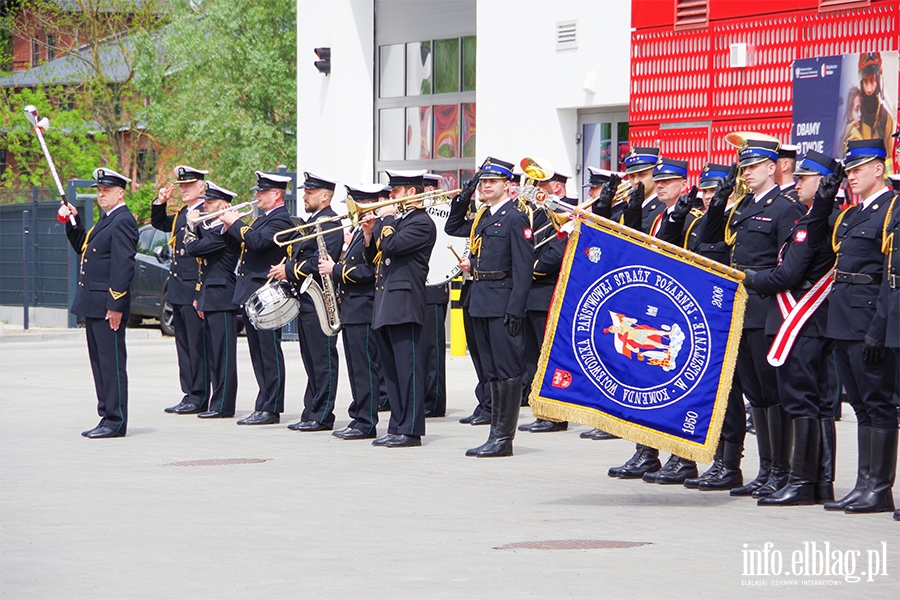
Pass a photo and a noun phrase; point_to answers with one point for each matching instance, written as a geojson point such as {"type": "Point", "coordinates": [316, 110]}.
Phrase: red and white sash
{"type": "Point", "coordinates": [796, 313]}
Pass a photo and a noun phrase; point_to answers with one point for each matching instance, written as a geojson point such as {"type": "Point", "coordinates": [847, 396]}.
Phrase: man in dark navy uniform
{"type": "Point", "coordinates": [643, 206]}
{"type": "Point", "coordinates": [398, 244]}
{"type": "Point", "coordinates": [103, 297]}
{"type": "Point", "coordinates": [865, 365]}
{"type": "Point", "coordinates": [190, 330]}
{"type": "Point", "coordinates": [755, 229]}
{"type": "Point", "coordinates": [355, 279]}
{"type": "Point", "coordinates": [434, 334]}
{"type": "Point", "coordinates": [785, 168]}
{"type": "Point", "coordinates": [317, 349]}
{"type": "Point", "coordinates": [259, 253]}
{"type": "Point", "coordinates": [215, 300]}
{"type": "Point", "coordinates": [502, 265]}
{"type": "Point", "coordinates": [799, 280]}
{"type": "Point", "coordinates": [548, 254]}
{"type": "Point", "coordinates": [604, 194]}
{"type": "Point", "coordinates": [885, 326]}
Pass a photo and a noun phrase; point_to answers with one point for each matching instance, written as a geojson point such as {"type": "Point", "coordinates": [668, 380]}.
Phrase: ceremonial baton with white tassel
{"type": "Point", "coordinates": [41, 125]}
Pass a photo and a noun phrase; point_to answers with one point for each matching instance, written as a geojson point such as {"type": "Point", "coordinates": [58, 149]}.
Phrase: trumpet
{"type": "Point", "coordinates": [355, 212]}
{"type": "Point", "coordinates": [622, 193]}
{"type": "Point", "coordinates": [211, 220]}
{"type": "Point", "coordinates": [556, 220]}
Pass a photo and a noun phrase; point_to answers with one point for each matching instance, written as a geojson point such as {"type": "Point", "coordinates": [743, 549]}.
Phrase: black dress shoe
{"type": "Point", "coordinates": [186, 408]}
{"type": "Point", "coordinates": [480, 420]}
{"type": "Point", "coordinates": [545, 426]}
{"type": "Point", "coordinates": [180, 406]}
{"type": "Point", "coordinates": [309, 426]}
{"type": "Point", "coordinates": [467, 420]}
{"type": "Point", "coordinates": [433, 415]}
{"type": "Point", "coordinates": [404, 441]}
{"type": "Point", "coordinates": [260, 417]}
{"type": "Point", "coordinates": [211, 414]}
{"type": "Point", "coordinates": [89, 431]}
{"type": "Point", "coordinates": [104, 432]}
{"type": "Point", "coordinates": [597, 434]}
{"type": "Point", "coordinates": [351, 433]}
{"type": "Point", "coordinates": [383, 440]}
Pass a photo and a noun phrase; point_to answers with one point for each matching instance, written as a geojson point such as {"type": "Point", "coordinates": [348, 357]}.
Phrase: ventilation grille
{"type": "Point", "coordinates": [691, 14]}
{"type": "Point", "coordinates": [830, 5]}
{"type": "Point", "coordinates": [567, 35]}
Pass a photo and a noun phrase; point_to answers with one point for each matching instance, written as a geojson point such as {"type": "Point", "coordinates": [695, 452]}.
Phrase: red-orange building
{"type": "Point", "coordinates": [688, 88]}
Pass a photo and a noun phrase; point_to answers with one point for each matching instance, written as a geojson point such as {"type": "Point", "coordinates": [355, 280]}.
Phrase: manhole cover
{"type": "Point", "coordinates": [215, 462]}
{"type": "Point", "coordinates": [570, 545]}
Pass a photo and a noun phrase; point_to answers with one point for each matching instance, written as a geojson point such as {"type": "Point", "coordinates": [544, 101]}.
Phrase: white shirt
{"type": "Point", "coordinates": [648, 200]}
{"type": "Point", "coordinates": [868, 201]}
{"type": "Point", "coordinates": [115, 208]}
{"type": "Point", "coordinates": [758, 197]}
{"type": "Point", "coordinates": [496, 207]}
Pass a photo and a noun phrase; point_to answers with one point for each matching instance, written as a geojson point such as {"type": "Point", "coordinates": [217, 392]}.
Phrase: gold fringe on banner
{"type": "Point", "coordinates": [555, 410]}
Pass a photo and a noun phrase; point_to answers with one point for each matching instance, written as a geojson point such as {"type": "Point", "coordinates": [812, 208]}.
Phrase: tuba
{"type": "Point", "coordinates": [323, 297]}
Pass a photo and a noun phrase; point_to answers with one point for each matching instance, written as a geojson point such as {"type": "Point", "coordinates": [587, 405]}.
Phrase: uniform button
{"type": "Point", "coordinates": [174, 274]}
{"type": "Point", "coordinates": [94, 249]}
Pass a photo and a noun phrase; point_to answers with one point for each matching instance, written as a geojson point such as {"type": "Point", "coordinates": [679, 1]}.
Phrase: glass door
{"type": "Point", "coordinates": [604, 141]}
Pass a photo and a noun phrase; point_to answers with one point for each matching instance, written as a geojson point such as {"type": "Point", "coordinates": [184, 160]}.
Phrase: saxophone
{"type": "Point", "coordinates": [323, 297]}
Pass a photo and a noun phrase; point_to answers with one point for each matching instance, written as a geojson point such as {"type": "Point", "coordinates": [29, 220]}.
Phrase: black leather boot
{"type": "Point", "coordinates": [503, 427]}
{"type": "Point", "coordinates": [645, 460]}
{"type": "Point", "coordinates": [729, 476]}
{"type": "Point", "coordinates": [651, 477]}
{"type": "Point", "coordinates": [764, 446]}
{"type": "Point", "coordinates": [863, 455]}
{"type": "Point", "coordinates": [494, 390]}
{"type": "Point", "coordinates": [827, 447]}
{"type": "Point", "coordinates": [801, 485]}
{"type": "Point", "coordinates": [877, 496]}
{"type": "Point", "coordinates": [694, 482]}
{"type": "Point", "coordinates": [676, 471]}
{"type": "Point", "coordinates": [781, 437]}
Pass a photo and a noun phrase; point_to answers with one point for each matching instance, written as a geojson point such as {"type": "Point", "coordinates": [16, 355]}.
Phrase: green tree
{"type": "Point", "coordinates": [75, 144]}
{"type": "Point", "coordinates": [222, 86]}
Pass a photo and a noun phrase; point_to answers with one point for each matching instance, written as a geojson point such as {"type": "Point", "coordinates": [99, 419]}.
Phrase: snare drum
{"type": "Point", "coordinates": [272, 306]}
{"type": "Point", "coordinates": [443, 266]}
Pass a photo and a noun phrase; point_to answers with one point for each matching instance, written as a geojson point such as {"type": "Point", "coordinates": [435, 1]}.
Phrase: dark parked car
{"type": "Point", "coordinates": [151, 276]}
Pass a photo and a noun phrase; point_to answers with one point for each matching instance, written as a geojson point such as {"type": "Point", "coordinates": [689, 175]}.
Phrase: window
{"type": "Point", "coordinates": [425, 110]}
{"type": "Point", "coordinates": [145, 239]}
{"type": "Point", "coordinates": [604, 141]}
{"type": "Point", "coordinates": [146, 166]}
{"type": "Point", "coordinates": [51, 48]}
{"type": "Point", "coordinates": [35, 52]}
{"type": "Point", "coordinates": [2, 161]}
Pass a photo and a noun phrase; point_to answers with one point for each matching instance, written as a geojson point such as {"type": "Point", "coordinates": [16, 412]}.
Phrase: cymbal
{"type": "Point", "coordinates": [739, 138]}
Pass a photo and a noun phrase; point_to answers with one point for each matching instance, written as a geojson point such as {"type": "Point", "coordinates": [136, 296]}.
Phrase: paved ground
{"type": "Point", "coordinates": [324, 518]}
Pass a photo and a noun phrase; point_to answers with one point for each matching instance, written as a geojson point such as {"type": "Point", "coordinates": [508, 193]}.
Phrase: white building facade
{"type": "Point", "coordinates": [441, 84]}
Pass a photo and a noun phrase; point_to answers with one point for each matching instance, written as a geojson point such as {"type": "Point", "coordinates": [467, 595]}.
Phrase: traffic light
{"type": "Point", "coordinates": [323, 65]}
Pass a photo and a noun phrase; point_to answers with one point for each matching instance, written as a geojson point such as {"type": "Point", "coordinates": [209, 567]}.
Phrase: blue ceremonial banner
{"type": "Point", "coordinates": [641, 341]}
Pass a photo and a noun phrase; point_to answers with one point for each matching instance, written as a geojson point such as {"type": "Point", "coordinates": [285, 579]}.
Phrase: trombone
{"type": "Point", "coordinates": [211, 220]}
{"type": "Point", "coordinates": [355, 212]}
{"type": "Point", "coordinates": [551, 205]}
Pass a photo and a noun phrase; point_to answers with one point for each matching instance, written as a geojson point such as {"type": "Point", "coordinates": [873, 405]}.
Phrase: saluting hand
{"type": "Point", "coordinates": [165, 193]}
{"type": "Point", "coordinates": [684, 204]}
{"type": "Point", "coordinates": [637, 197]}
{"type": "Point", "coordinates": [608, 192]}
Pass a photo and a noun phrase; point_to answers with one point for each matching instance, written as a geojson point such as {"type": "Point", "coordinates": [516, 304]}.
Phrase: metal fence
{"type": "Point", "coordinates": [37, 265]}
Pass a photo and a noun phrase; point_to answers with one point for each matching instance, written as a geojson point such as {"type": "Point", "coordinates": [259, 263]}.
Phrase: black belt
{"type": "Point", "coordinates": [752, 267]}
{"type": "Point", "coordinates": [853, 278]}
{"type": "Point", "coordinates": [894, 281]}
{"type": "Point", "coordinates": [491, 275]}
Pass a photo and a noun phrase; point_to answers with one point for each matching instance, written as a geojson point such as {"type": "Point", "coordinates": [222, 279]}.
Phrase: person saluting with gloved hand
{"type": "Point", "coordinates": [500, 240]}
